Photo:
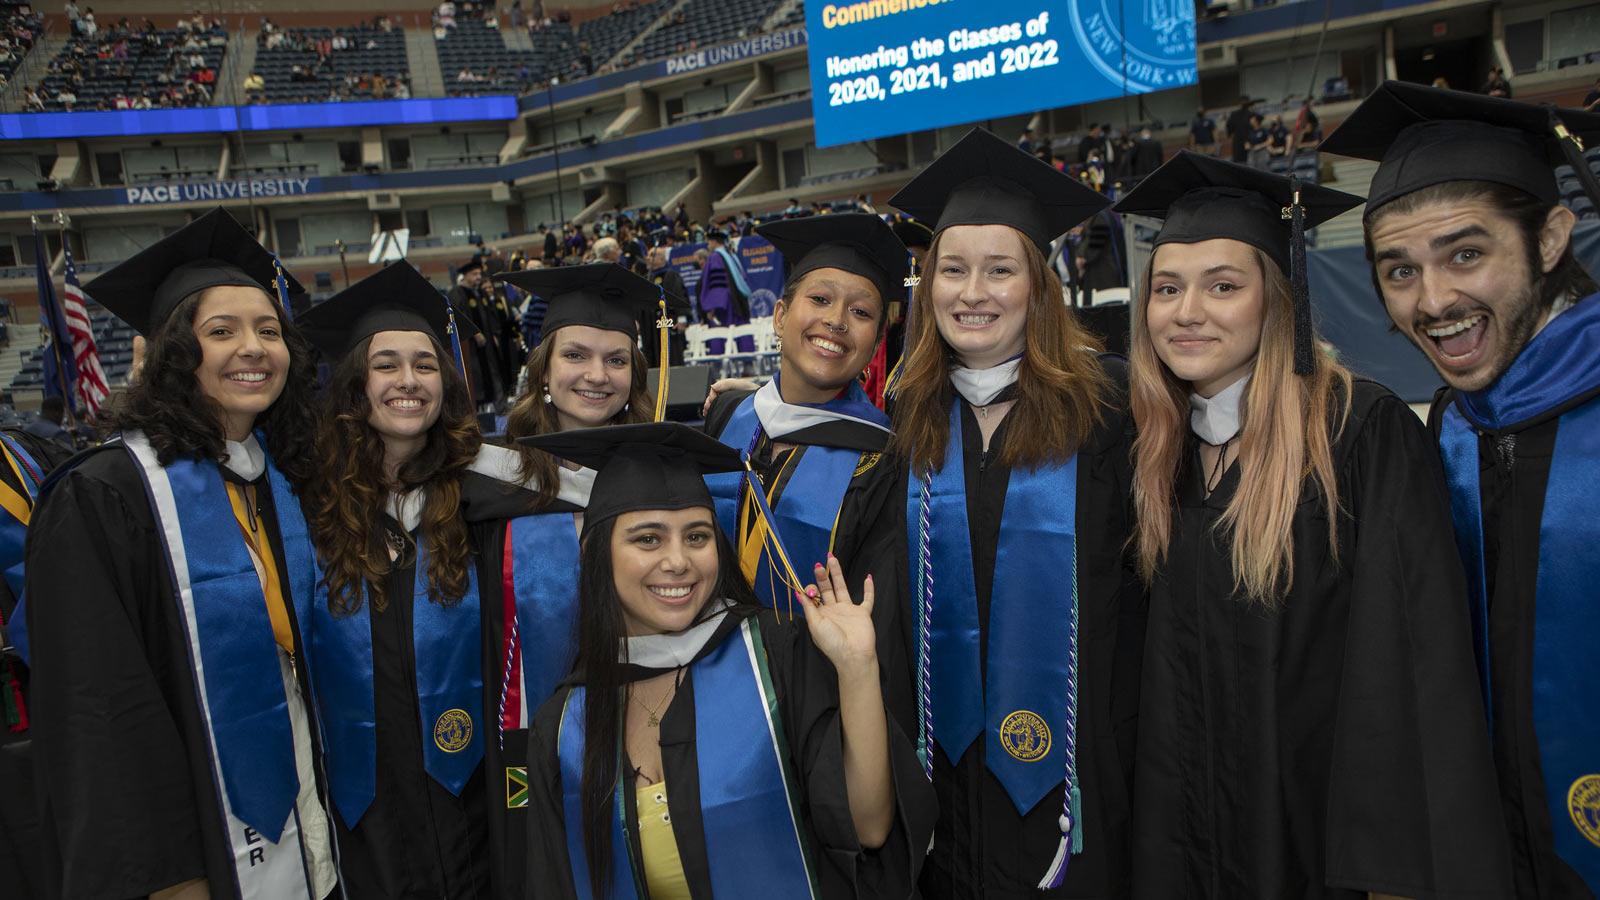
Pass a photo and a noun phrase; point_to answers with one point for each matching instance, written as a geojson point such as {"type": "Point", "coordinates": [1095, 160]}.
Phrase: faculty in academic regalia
{"type": "Point", "coordinates": [815, 441]}
{"type": "Point", "coordinates": [1309, 725]}
{"type": "Point", "coordinates": [396, 633]}
{"type": "Point", "coordinates": [473, 302]}
{"type": "Point", "coordinates": [706, 747]}
{"type": "Point", "coordinates": [586, 371]}
{"type": "Point", "coordinates": [1022, 613]}
{"type": "Point", "coordinates": [1472, 255]}
{"type": "Point", "coordinates": [169, 581]}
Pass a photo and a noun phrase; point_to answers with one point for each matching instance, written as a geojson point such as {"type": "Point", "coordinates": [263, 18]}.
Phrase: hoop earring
{"type": "Point", "coordinates": [778, 343]}
{"type": "Point", "coordinates": [547, 397]}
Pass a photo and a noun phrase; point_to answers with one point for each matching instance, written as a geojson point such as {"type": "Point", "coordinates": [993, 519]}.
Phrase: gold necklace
{"type": "Point", "coordinates": [654, 715]}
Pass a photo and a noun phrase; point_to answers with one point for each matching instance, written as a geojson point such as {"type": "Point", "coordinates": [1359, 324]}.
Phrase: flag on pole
{"type": "Point", "coordinates": [55, 353]}
{"type": "Point", "coordinates": [92, 387]}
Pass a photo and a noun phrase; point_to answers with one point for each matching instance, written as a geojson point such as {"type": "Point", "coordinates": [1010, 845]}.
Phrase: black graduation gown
{"type": "Point", "coordinates": [417, 840]}
{"type": "Point", "coordinates": [1335, 745]}
{"type": "Point", "coordinates": [483, 360]}
{"type": "Point", "coordinates": [865, 540]}
{"type": "Point", "coordinates": [128, 800]}
{"type": "Point", "coordinates": [1513, 474]}
{"type": "Point", "coordinates": [488, 511]}
{"type": "Point", "coordinates": [982, 847]}
{"type": "Point", "coordinates": [808, 703]}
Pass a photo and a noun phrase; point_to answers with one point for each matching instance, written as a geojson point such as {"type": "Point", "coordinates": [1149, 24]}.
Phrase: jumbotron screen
{"type": "Point", "coordinates": [886, 67]}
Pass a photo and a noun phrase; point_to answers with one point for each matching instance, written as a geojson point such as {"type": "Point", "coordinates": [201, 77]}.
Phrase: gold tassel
{"type": "Point", "coordinates": [663, 326]}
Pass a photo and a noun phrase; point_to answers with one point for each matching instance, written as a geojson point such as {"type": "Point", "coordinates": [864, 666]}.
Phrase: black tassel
{"type": "Point", "coordinates": [1572, 149]}
{"type": "Point", "coordinates": [1300, 291]}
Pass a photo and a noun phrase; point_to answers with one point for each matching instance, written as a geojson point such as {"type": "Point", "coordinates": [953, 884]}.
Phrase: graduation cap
{"type": "Point", "coordinates": [984, 180]}
{"type": "Point", "coordinates": [396, 298]}
{"type": "Point", "coordinates": [1422, 136]}
{"type": "Point", "coordinates": [859, 243]}
{"type": "Point", "coordinates": [471, 265]}
{"type": "Point", "coordinates": [212, 251]}
{"type": "Point", "coordinates": [602, 295]}
{"type": "Point", "coordinates": [656, 465]}
{"type": "Point", "coordinates": [1202, 198]}
{"type": "Point", "coordinates": [913, 233]}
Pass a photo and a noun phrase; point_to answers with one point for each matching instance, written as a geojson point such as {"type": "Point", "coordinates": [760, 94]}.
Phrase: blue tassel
{"type": "Point", "coordinates": [282, 285]}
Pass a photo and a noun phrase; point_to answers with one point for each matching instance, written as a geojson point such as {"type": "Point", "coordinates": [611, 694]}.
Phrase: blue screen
{"type": "Point", "coordinates": [279, 117]}
{"type": "Point", "coordinates": [885, 67]}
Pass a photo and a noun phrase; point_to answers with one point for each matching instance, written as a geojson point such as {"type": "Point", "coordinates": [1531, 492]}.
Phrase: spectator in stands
{"type": "Point", "coordinates": [1147, 154]}
{"type": "Point", "coordinates": [1258, 144]}
{"type": "Point", "coordinates": [73, 15]}
{"type": "Point", "coordinates": [1100, 258]}
{"type": "Point", "coordinates": [66, 98]}
{"type": "Point", "coordinates": [1025, 142]}
{"type": "Point", "coordinates": [1094, 141]}
{"type": "Point", "coordinates": [32, 101]}
{"type": "Point", "coordinates": [1239, 130]}
{"type": "Point", "coordinates": [1277, 139]}
{"type": "Point", "coordinates": [1591, 100]}
{"type": "Point", "coordinates": [1203, 133]}
{"type": "Point", "coordinates": [1497, 85]}
{"type": "Point", "coordinates": [1307, 128]}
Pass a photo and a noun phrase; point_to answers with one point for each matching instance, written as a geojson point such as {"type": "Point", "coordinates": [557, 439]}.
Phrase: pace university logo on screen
{"type": "Point", "coordinates": [886, 67]}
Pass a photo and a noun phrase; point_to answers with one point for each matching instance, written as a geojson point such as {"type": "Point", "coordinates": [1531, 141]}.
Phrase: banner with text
{"type": "Point", "coordinates": [763, 270]}
{"type": "Point", "coordinates": [885, 67]}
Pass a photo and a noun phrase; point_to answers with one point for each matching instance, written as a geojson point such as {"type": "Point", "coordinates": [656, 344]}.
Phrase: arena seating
{"type": "Point", "coordinates": [705, 22]}
{"type": "Point", "coordinates": [330, 73]}
{"type": "Point", "coordinates": [473, 47]}
{"type": "Point", "coordinates": [112, 337]}
{"type": "Point", "coordinates": [1572, 189]}
{"type": "Point", "coordinates": [603, 37]}
{"type": "Point", "coordinates": [152, 64]}
{"type": "Point", "coordinates": [19, 27]}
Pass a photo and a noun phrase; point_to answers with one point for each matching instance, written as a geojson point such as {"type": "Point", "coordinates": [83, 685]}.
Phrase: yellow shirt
{"type": "Point", "coordinates": [663, 869]}
{"type": "Point", "coordinates": [255, 537]}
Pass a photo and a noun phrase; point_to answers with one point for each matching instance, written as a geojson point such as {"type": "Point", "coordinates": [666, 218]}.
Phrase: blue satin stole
{"type": "Point", "coordinates": [805, 515]}
{"type": "Point", "coordinates": [1025, 705]}
{"type": "Point", "coordinates": [755, 844]}
{"type": "Point", "coordinates": [542, 564]}
{"type": "Point", "coordinates": [1561, 363]}
{"type": "Point", "coordinates": [448, 645]}
{"type": "Point", "coordinates": [238, 664]}
{"type": "Point", "coordinates": [14, 536]}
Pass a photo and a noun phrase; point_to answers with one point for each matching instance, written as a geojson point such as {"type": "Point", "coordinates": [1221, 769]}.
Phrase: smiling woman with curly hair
{"type": "Point", "coordinates": [397, 642]}
{"type": "Point", "coordinates": [167, 585]}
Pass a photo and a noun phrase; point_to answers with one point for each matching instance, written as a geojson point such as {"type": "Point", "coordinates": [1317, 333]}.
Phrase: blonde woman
{"type": "Point", "coordinates": [1310, 724]}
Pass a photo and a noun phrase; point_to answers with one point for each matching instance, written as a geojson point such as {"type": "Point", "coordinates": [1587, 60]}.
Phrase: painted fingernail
{"type": "Point", "coordinates": [832, 558]}
{"type": "Point", "coordinates": [869, 579]}
{"type": "Point", "coordinates": [811, 592]}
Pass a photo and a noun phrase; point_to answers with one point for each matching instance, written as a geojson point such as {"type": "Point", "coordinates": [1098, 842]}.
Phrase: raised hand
{"type": "Point", "coordinates": [841, 628]}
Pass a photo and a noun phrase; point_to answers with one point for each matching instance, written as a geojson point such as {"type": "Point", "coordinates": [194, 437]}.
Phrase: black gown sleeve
{"type": "Point", "coordinates": [809, 703]}
{"type": "Point", "coordinates": [114, 768]}
{"type": "Point", "coordinates": [1412, 807]}
{"type": "Point", "coordinates": [549, 872]}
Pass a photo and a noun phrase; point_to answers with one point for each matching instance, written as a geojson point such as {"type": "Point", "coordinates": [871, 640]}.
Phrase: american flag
{"type": "Point", "coordinates": [92, 389]}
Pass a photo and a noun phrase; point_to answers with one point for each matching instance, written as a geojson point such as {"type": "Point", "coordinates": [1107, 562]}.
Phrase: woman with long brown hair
{"type": "Point", "coordinates": [1310, 724]}
{"type": "Point", "coordinates": [168, 595]}
{"type": "Point", "coordinates": [586, 371]}
{"type": "Point", "coordinates": [1019, 606]}
{"type": "Point", "coordinates": [396, 632]}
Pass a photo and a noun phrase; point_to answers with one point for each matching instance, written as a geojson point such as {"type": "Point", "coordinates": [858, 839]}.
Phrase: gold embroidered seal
{"type": "Point", "coordinates": [1025, 736]}
{"type": "Point", "coordinates": [1583, 804]}
{"type": "Point", "coordinates": [865, 463]}
{"type": "Point", "coordinates": [453, 731]}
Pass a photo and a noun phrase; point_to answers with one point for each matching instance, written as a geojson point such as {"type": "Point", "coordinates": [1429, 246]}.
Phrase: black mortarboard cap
{"type": "Point", "coordinates": [475, 262]}
{"type": "Point", "coordinates": [859, 243]}
{"type": "Point", "coordinates": [601, 295]}
{"type": "Point", "coordinates": [657, 465]}
{"type": "Point", "coordinates": [396, 298]}
{"type": "Point", "coordinates": [211, 251]}
{"type": "Point", "coordinates": [984, 180]}
{"type": "Point", "coordinates": [1202, 198]}
{"type": "Point", "coordinates": [913, 233]}
{"type": "Point", "coordinates": [1421, 136]}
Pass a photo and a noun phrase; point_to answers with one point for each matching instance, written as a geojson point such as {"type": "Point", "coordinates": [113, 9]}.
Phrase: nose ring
{"type": "Point", "coordinates": [836, 329]}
